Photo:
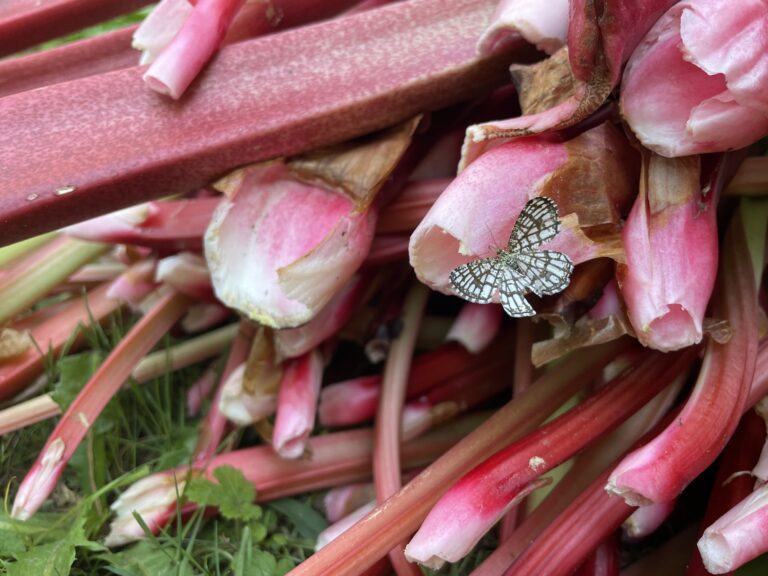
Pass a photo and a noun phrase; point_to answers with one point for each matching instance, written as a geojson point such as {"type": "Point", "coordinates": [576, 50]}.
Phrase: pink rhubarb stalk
{"type": "Point", "coordinates": [96, 55]}
{"type": "Point", "coordinates": [337, 458]}
{"type": "Point", "coordinates": [354, 401]}
{"type": "Point", "coordinates": [475, 326]}
{"type": "Point", "coordinates": [596, 460]}
{"type": "Point", "coordinates": [51, 334]}
{"type": "Point", "coordinates": [297, 404]}
{"type": "Point", "coordinates": [474, 504]}
{"type": "Point", "coordinates": [370, 539]}
{"type": "Point", "coordinates": [670, 240]}
{"type": "Point", "coordinates": [73, 426]}
{"type": "Point", "coordinates": [717, 54]}
{"type": "Point", "coordinates": [24, 23]}
{"type": "Point", "coordinates": [168, 225]}
{"type": "Point", "coordinates": [476, 213]}
{"type": "Point", "coordinates": [214, 425]}
{"type": "Point", "coordinates": [659, 471]}
{"type": "Point", "coordinates": [192, 47]}
{"type": "Point", "coordinates": [350, 76]}
{"type": "Point", "coordinates": [135, 284]}
{"type": "Point", "coordinates": [731, 486]}
{"type": "Point", "coordinates": [386, 450]}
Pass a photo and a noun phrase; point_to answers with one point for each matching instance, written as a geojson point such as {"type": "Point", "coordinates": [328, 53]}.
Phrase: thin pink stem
{"type": "Point", "coordinates": [386, 451]}
{"type": "Point", "coordinates": [215, 424]}
{"type": "Point", "coordinates": [401, 514]}
{"type": "Point", "coordinates": [91, 400]}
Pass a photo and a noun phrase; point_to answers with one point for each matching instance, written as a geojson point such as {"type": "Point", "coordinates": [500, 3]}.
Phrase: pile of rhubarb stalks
{"type": "Point", "coordinates": [278, 182]}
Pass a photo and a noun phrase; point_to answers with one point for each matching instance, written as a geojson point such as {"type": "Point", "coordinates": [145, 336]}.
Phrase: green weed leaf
{"type": "Point", "coordinates": [233, 495]}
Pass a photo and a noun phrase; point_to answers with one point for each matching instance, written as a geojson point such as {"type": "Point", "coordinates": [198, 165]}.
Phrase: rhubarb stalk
{"type": "Point", "coordinates": [91, 400]}
{"type": "Point", "coordinates": [386, 451]}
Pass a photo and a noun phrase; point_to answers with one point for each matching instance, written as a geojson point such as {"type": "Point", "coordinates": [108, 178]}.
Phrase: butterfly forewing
{"type": "Point", "coordinates": [546, 272]}
{"type": "Point", "coordinates": [476, 281]}
{"type": "Point", "coordinates": [511, 290]}
{"type": "Point", "coordinates": [537, 223]}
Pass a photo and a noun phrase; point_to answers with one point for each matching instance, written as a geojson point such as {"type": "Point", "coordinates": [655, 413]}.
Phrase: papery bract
{"type": "Point", "coordinates": [591, 178]}
{"type": "Point", "coordinates": [697, 82]}
{"type": "Point", "coordinates": [279, 249]}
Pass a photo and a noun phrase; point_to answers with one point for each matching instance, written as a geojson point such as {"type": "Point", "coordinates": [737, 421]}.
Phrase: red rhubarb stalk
{"type": "Point", "coordinates": [102, 53]}
{"type": "Point", "coordinates": [401, 514]}
{"type": "Point", "coordinates": [475, 503]}
{"type": "Point", "coordinates": [24, 23]}
{"type": "Point", "coordinates": [659, 471]}
{"type": "Point", "coordinates": [386, 450]}
{"type": "Point", "coordinates": [91, 400]}
{"type": "Point", "coordinates": [348, 77]}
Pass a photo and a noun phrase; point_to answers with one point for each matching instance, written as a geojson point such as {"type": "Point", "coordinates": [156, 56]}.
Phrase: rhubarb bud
{"type": "Point", "coordinates": [286, 240]}
{"type": "Point", "coordinates": [670, 240]}
{"type": "Point", "coordinates": [696, 83]}
{"type": "Point", "coordinates": [591, 178]}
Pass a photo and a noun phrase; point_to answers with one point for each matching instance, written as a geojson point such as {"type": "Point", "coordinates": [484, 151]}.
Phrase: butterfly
{"type": "Point", "coordinates": [521, 267]}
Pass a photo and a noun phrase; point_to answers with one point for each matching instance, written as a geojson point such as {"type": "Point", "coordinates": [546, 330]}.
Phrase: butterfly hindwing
{"type": "Point", "coordinates": [546, 272]}
{"type": "Point", "coordinates": [537, 223]}
{"type": "Point", "coordinates": [477, 280]}
{"type": "Point", "coordinates": [511, 290]}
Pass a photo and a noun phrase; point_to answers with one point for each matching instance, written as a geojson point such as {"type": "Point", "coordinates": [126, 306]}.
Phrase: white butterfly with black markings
{"type": "Point", "coordinates": [521, 267]}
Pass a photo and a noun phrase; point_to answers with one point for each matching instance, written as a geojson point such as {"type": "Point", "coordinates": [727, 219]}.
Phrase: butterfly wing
{"type": "Point", "coordinates": [537, 223]}
{"type": "Point", "coordinates": [511, 290]}
{"type": "Point", "coordinates": [476, 281]}
{"type": "Point", "coordinates": [546, 272]}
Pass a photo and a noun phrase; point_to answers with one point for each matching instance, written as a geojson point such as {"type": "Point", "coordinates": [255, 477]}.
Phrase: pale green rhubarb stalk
{"type": "Point", "coordinates": [40, 272]}
{"type": "Point", "coordinates": [74, 425]}
{"type": "Point", "coordinates": [151, 366]}
{"type": "Point", "coordinates": [386, 451]}
{"type": "Point", "coordinates": [400, 515]}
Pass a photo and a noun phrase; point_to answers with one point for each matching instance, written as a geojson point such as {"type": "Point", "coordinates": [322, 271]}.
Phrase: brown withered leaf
{"type": "Point", "coordinates": [358, 167]}
{"type": "Point", "coordinates": [586, 332]}
{"type": "Point", "coordinates": [600, 178]}
{"type": "Point", "coordinates": [262, 372]}
{"type": "Point", "coordinates": [718, 329]}
{"type": "Point", "coordinates": [13, 343]}
{"type": "Point", "coordinates": [545, 84]}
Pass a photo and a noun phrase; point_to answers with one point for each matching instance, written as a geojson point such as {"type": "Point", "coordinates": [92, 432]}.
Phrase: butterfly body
{"type": "Point", "coordinates": [521, 267]}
